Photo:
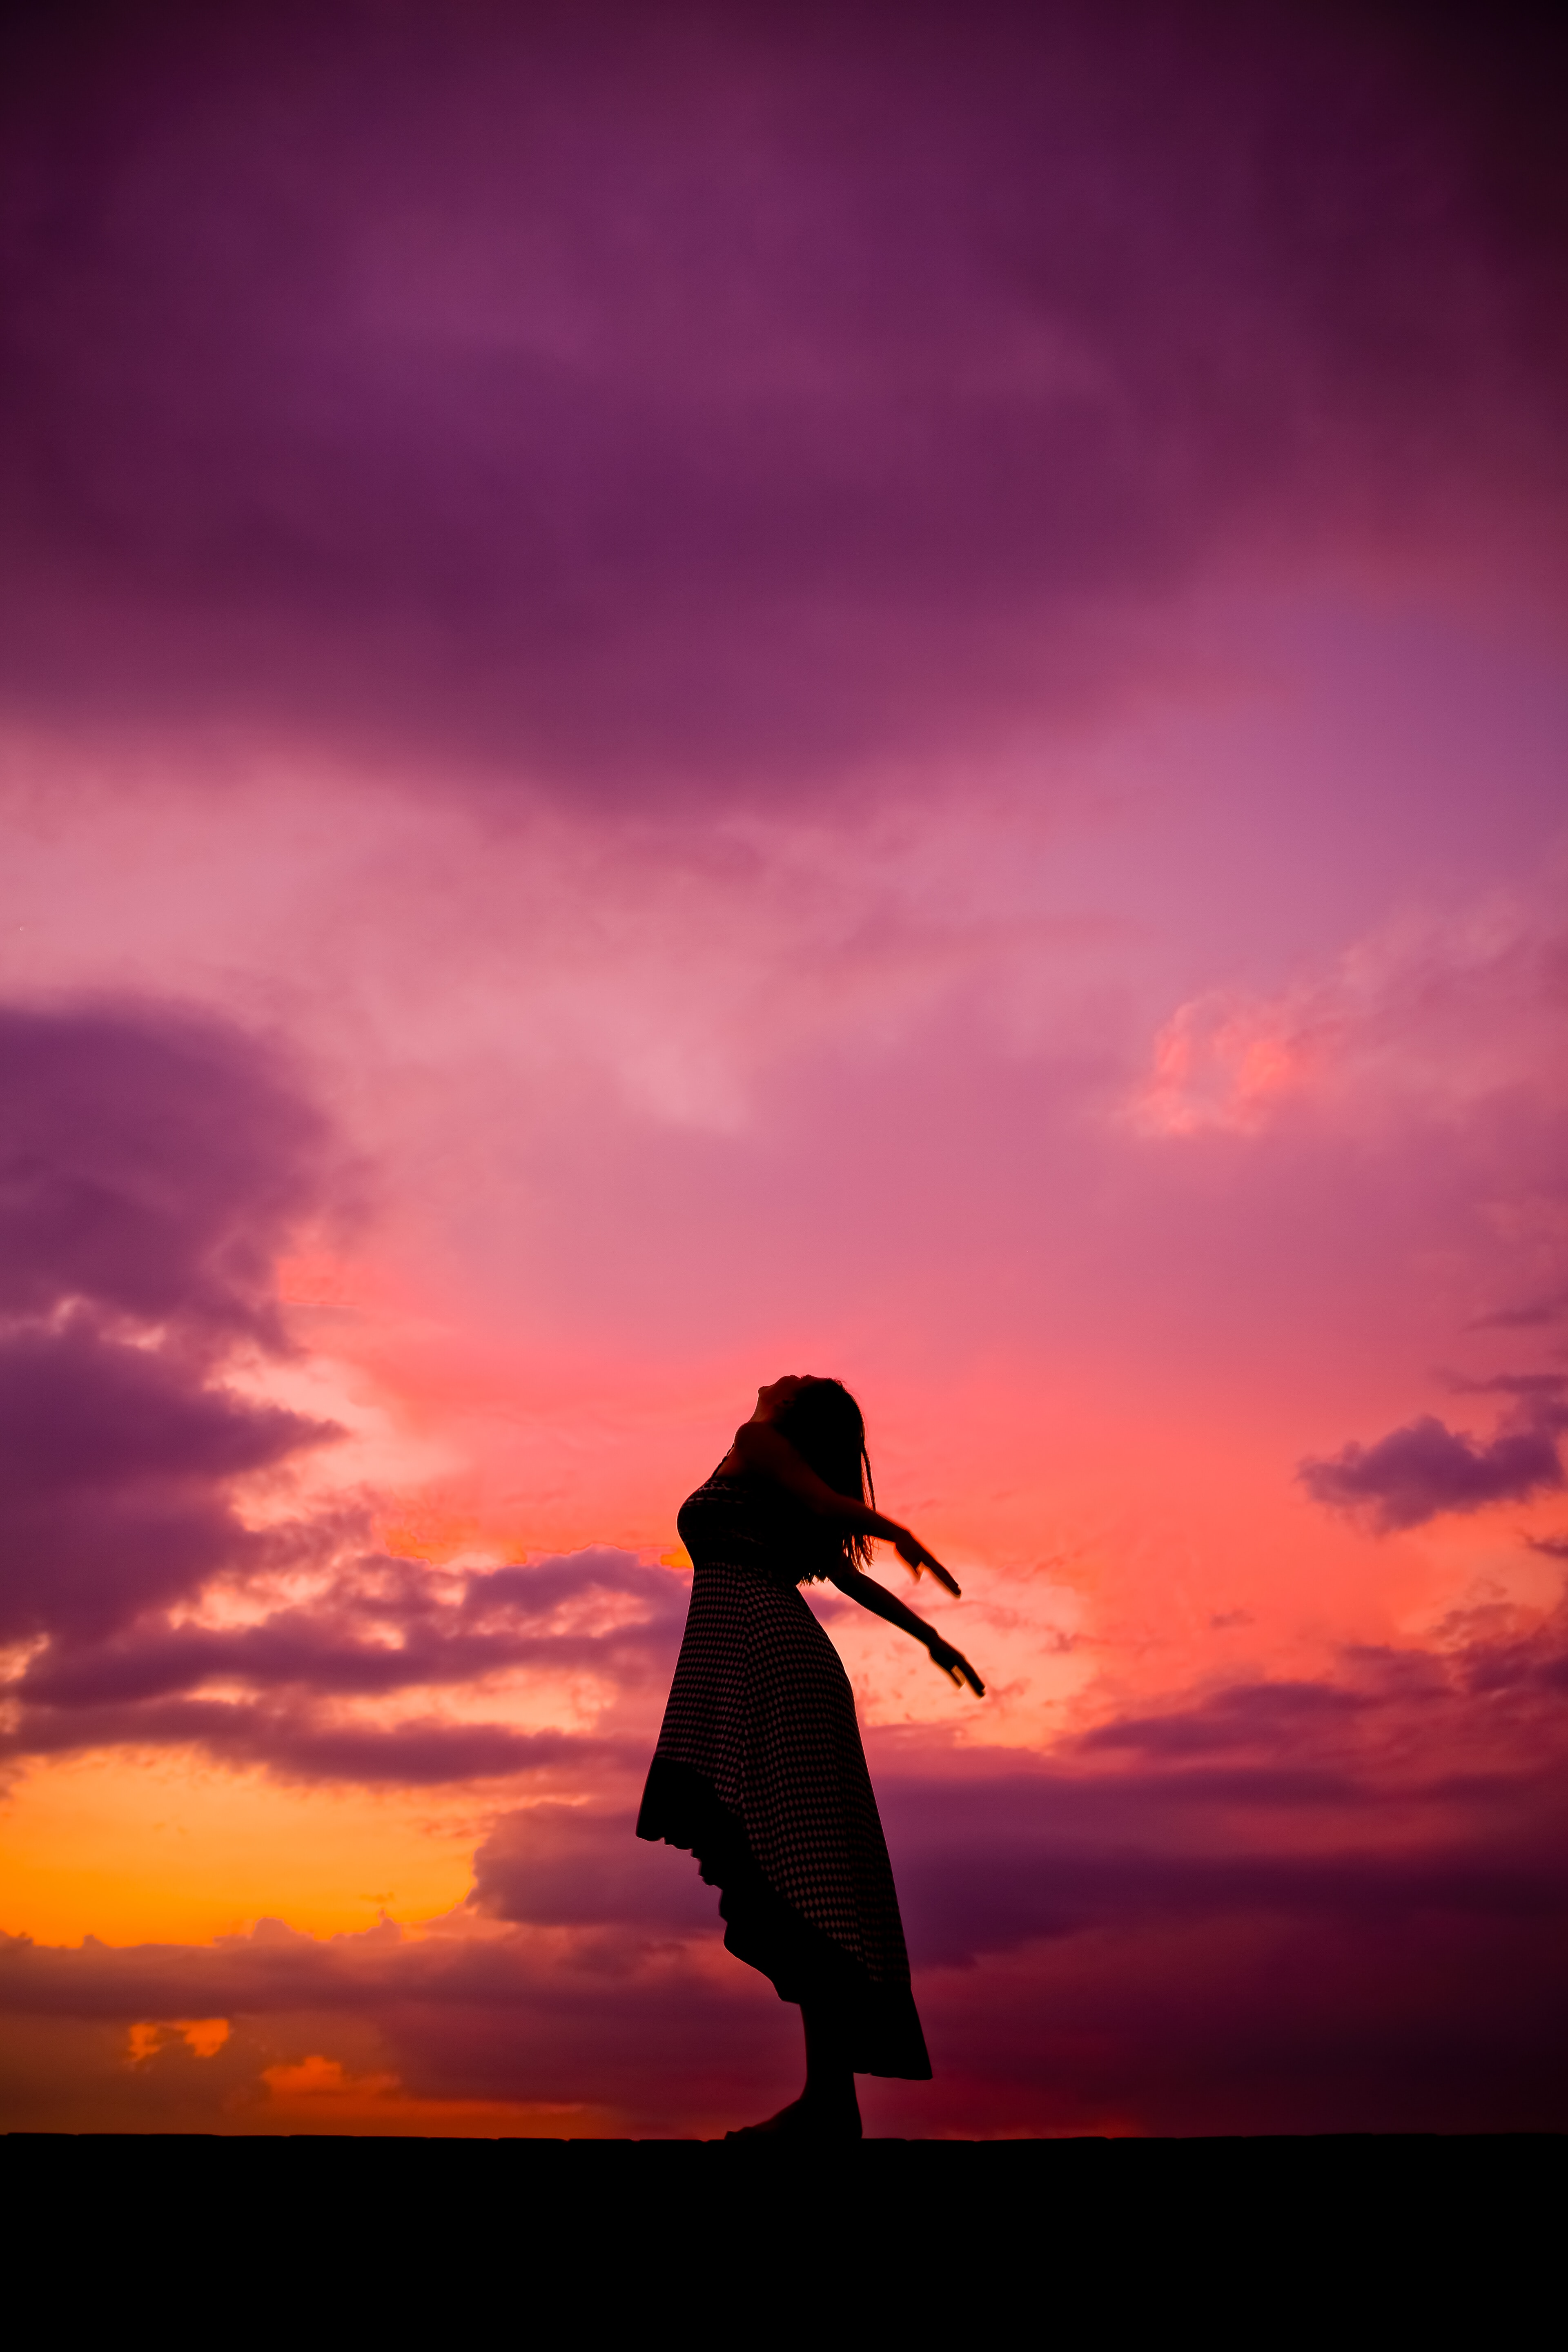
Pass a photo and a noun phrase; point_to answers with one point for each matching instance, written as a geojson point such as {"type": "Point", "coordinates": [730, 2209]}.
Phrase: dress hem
{"type": "Point", "coordinates": [880, 2022]}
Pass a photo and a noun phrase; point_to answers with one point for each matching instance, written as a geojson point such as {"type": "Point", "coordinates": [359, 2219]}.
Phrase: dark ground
{"type": "Point", "coordinates": [193, 2239]}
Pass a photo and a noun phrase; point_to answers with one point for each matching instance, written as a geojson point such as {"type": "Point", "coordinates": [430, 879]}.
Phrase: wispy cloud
{"type": "Point", "coordinates": [1429, 1016]}
{"type": "Point", "coordinates": [374, 1677]}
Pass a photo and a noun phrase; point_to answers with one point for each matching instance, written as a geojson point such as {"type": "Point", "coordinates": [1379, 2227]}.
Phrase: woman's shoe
{"type": "Point", "coordinates": [806, 2120]}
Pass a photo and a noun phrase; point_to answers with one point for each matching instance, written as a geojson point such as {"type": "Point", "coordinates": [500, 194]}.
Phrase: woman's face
{"type": "Point", "coordinates": [773, 1398]}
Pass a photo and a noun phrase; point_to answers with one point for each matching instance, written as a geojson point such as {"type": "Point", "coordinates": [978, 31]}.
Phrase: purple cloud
{"type": "Point", "coordinates": [1531, 1316]}
{"type": "Point", "coordinates": [575, 1865]}
{"type": "Point", "coordinates": [668, 393]}
{"type": "Point", "coordinates": [1417, 1473]}
{"type": "Point", "coordinates": [381, 1625]}
{"type": "Point", "coordinates": [151, 1167]}
{"type": "Point", "coordinates": [377, 1627]}
{"type": "Point", "coordinates": [116, 1463]}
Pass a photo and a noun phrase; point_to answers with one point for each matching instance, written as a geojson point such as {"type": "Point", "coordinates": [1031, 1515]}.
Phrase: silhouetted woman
{"type": "Point", "coordinates": [759, 1769]}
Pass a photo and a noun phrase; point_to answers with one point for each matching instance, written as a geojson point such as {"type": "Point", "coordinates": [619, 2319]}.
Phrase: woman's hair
{"type": "Point", "coordinates": [825, 1425]}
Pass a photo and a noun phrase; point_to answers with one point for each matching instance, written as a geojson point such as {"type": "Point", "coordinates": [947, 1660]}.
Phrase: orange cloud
{"type": "Point", "coordinates": [321, 2094]}
{"type": "Point", "coordinates": [203, 2036]}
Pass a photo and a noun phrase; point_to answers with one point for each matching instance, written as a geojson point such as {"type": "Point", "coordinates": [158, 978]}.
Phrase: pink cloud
{"type": "Point", "coordinates": [1429, 1016]}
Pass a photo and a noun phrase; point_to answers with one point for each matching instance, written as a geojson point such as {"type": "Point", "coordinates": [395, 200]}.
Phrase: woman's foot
{"type": "Point", "coordinates": [807, 2118]}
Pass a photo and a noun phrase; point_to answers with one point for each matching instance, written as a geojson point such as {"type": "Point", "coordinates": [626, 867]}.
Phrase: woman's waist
{"type": "Point", "coordinates": [758, 1568]}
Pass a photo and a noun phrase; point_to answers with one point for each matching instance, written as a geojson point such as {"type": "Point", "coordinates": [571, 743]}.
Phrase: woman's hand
{"type": "Point", "coordinates": [915, 1557]}
{"type": "Point", "coordinates": [955, 1665]}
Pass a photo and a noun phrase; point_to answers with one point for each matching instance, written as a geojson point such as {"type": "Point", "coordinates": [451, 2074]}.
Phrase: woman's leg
{"type": "Point", "coordinates": [827, 2107]}
{"type": "Point", "coordinates": [829, 2078]}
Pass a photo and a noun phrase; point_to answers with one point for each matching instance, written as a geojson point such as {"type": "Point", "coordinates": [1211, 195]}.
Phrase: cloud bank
{"type": "Point", "coordinates": [1267, 1909]}
{"type": "Point", "coordinates": [347, 1683]}
{"type": "Point", "coordinates": [729, 393]}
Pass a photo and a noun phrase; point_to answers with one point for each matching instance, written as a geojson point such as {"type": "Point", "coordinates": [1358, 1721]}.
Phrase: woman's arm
{"type": "Point", "coordinates": [762, 1447]}
{"type": "Point", "coordinates": [883, 1603]}
{"type": "Point", "coordinates": [759, 1447]}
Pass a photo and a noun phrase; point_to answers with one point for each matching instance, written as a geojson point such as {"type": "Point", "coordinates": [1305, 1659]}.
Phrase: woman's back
{"type": "Point", "coordinates": [735, 1520]}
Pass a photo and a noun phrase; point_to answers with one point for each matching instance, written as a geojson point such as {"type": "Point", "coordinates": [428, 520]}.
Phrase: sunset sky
{"type": "Point", "coordinates": [691, 692]}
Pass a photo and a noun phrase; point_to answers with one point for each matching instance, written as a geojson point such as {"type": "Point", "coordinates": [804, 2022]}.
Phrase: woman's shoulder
{"type": "Point", "coordinates": [734, 1464]}
{"type": "Point", "coordinates": [733, 1471]}
{"type": "Point", "coordinates": [756, 1448]}
{"type": "Point", "coordinates": [759, 1445]}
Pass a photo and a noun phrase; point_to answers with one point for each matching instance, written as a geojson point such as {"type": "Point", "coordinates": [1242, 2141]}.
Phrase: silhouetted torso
{"type": "Point", "coordinates": [739, 1521]}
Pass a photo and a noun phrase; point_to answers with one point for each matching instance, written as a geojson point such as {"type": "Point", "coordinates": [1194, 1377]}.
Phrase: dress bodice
{"type": "Point", "coordinates": [735, 1520]}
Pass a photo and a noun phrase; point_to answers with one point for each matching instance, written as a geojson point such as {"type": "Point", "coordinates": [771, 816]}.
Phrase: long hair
{"type": "Point", "coordinates": [826, 1428]}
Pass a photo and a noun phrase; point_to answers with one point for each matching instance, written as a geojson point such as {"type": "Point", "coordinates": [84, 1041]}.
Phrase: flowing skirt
{"type": "Point", "coordinates": [759, 1773]}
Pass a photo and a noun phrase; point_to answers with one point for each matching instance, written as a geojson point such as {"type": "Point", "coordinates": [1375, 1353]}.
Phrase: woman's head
{"type": "Point", "coordinates": [826, 1428]}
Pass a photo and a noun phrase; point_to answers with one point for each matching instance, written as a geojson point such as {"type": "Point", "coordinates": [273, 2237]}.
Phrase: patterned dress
{"type": "Point", "coordinates": [759, 1773]}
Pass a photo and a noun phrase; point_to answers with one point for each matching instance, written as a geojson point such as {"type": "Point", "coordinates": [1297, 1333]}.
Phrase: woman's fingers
{"type": "Point", "coordinates": [917, 1557]}
{"type": "Point", "coordinates": [962, 1672]}
{"type": "Point", "coordinates": [956, 1667]}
